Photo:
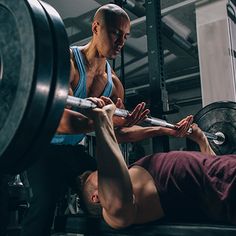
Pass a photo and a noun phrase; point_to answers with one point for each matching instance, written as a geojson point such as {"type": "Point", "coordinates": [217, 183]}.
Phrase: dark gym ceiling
{"type": "Point", "coordinates": [179, 40]}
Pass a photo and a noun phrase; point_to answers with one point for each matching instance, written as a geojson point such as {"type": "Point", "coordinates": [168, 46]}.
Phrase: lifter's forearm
{"type": "Point", "coordinates": [115, 188]}
{"type": "Point", "coordinates": [206, 148]}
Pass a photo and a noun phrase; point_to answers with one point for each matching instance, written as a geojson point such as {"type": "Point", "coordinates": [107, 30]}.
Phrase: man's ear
{"type": "Point", "coordinates": [95, 198]}
{"type": "Point", "coordinates": [95, 27]}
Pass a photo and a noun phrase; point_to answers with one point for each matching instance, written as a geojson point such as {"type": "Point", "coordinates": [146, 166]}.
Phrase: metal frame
{"type": "Point", "coordinates": [158, 93]}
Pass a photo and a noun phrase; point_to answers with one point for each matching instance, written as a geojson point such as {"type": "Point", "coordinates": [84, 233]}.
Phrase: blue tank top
{"type": "Point", "coordinates": [80, 92]}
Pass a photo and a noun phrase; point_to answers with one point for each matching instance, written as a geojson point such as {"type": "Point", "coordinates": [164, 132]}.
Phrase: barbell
{"type": "Point", "coordinates": [218, 137]}
{"type": "Point", "coordinates": [34, 72]}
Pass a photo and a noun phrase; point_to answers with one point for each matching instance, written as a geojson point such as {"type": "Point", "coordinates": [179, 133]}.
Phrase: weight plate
{"type": "Point", "coordinates": [60, 80]}
{"type": "Point", "coordinates": [59, 84]}
{"type": "Point", "coordinates": [218, 117]}
{"type": "Point", "coordinates": [27, 65]}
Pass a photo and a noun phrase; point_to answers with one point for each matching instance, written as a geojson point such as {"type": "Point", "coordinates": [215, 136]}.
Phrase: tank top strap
{"type": "Point", "coordinates": [109, 86]}
{"type": "Point", "coordinates": [80, 90]}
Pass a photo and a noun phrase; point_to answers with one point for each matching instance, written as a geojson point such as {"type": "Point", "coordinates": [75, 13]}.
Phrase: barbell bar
{"type": "Point", "coordinates": [218, 137]}
{"type": "Point", "coordinates": [85, 103]}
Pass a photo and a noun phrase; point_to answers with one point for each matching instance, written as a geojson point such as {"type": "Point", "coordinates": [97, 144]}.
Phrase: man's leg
{"type": "Point", "coordinates": [46, 182]}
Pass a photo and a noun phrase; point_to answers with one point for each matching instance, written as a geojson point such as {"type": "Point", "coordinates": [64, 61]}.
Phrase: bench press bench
{"type": "Point", "coordinates": [88, 226]}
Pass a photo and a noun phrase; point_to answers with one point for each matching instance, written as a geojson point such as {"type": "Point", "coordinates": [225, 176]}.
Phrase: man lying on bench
{"type": "Point", "coordinates": [176, 185]}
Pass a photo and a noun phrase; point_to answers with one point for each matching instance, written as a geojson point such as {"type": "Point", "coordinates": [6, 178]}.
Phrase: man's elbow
{"type": "Point", "coordinates": [119, 219]}
{"type": "Point", "coordinates": [121, 215]}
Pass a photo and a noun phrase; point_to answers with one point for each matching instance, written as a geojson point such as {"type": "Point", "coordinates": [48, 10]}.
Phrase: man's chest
{"type": "Point", "coordinates": [95, 84]}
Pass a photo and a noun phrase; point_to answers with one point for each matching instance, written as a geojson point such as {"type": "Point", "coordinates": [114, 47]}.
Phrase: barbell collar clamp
{"type": "Point", "coordinates": [220, 138]}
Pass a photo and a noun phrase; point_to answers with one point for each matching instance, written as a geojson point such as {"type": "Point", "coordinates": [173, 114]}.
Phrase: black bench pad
{"type": "Point", "coordinates": [94, 227]}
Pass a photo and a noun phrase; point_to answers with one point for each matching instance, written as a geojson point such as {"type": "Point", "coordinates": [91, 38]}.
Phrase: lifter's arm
{"type": "Point", "coordinates": [114, 183]}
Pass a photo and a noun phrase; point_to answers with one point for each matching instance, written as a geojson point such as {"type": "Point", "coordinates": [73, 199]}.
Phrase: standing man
{"type": "Point", "coordinates": [91, 76]}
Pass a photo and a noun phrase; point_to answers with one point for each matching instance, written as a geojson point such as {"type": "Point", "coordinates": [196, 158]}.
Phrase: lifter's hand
{"type": "Point", "coordinates": [105, 107]}
{"type": "Point", "coordinates": [197, 135]}
{"type": "Point", "coordinates": [200, 138]}
{"type": "Point", "coordinates": [136, 116]}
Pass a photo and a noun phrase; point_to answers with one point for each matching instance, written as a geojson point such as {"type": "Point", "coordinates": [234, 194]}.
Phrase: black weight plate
{"type": "Point", "coordinates": [218, 117]}
{"type": "Point", "coordinates": [59, 85]}
{"type": "Point", "coordinates": [60, 82]}
{"type": "Point", "coordinates": [61, 71]}
{"type": "Point", "coordinates": [26, 68]}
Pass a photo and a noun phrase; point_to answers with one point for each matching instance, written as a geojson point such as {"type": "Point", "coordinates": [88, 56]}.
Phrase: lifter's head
{"type": "Point", "coordinates": [88, 193]}
{"type": "Point", "coordinates": [110, 27]}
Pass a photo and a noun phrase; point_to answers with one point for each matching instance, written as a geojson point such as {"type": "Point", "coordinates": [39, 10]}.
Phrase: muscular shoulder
{"type": "Point", "coordinates": [118, 90]}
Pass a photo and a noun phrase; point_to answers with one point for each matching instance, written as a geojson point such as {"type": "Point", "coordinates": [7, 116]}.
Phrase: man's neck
{"type": "Point", "coordinates": [94, 61]}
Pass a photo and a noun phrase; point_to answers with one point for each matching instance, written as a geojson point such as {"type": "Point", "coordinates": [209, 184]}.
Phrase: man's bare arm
{"type": "Point", "coordinates": [137, 133]}
{"type": "Point", "coordinates": [114, 183]}
{"type": "Point", "coordinates": [73, 122]}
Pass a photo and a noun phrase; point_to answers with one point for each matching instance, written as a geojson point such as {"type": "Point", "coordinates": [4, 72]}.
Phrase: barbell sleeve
{"type": "Point", "coordinates": [218, 137]}
{"type": "Point", "coordinates": [79, 102]}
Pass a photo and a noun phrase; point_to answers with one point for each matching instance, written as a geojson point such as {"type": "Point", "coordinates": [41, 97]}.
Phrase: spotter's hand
{"type": "Point", "coordinates": [182, 127]}
{"type": "Point", "coordinates": [136, 116]}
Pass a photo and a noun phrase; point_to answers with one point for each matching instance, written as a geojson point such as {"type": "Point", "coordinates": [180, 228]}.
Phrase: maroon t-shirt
{"type": "Point", "coordinates": [194, 186]}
